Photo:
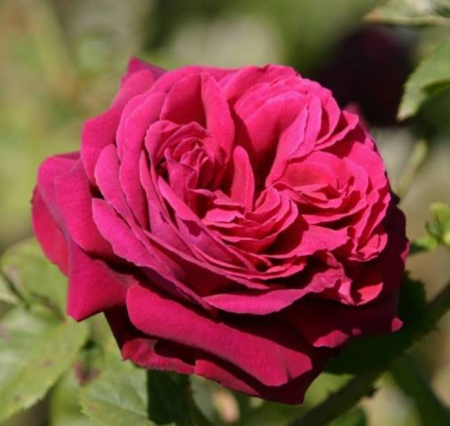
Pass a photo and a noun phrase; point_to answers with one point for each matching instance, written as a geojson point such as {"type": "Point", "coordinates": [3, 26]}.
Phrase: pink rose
{"type": "Point", "coordinates": [234, 224]}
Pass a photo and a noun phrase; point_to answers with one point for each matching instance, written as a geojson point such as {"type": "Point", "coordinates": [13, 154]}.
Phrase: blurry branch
{"type": "Point", "coordinates": [415, 160]}
{"type": "Point", "coordinates": [49, 40]}
{"type": "Point", "coordinates": [337, 404]}
{"type": "Point", "coordinates": [406, 12]}
{"type": "Point", "coordinates": [440, 305]}
{"type": "Point", "coordinates": [413, 384]}
{"type": "Point", "coordinates": [376, 17]}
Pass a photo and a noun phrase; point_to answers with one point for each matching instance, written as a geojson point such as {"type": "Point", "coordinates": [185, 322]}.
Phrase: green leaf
{"type": "Point", "coordinates": [64, 408]}
{"type": "Point", "coordinates": [202, 395]}
{"type": "Point", "coordinates": [377, 352]}
{"type": "Point", "coordinates": [119, 396]}
{"type": "Point", "coordinates": [273, 414]}
{"type": "Point", "coordinates": [35, 349]}
{"type": "Point", "coordinates": [166, 398]}
{"type": "Point", "coordinates": [7, 293]}
{"type": "Point", "coordinates": [33, 277]}
{"type": "Point", "coordinates": [429, 78]}
{"type": "Point", "coordinates": [422, 244]}
{"type": "Point", "coordinates": [355, 417]}
{"type": "Point", "coordinates": [439, 226]}
{"type": "Point", "coordinates": [407, 12]}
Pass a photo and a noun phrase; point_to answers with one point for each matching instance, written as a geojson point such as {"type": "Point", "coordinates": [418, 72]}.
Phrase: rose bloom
{"type": "Point", "coordinates": [230, 223]}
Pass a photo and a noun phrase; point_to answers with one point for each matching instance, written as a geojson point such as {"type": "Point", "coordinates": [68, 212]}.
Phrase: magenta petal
{"type": "Point", "coordinates": [107, 179]}
{"type": "Point", "coordinates": [237, 84]}
{"type": "Point", "coordinates": [330, 324]}
{"type": "Point", "coordinates": [48, 224]}
{"type": "Point", "coordinates": [218, 115]}
{"type": "Point", "coordinates": [290, 393]}
{"type": "Point", "coordinates": [124, 242]}
{"type": "Point", "coordinates": [195, 232]}
{"type": "Point", "coordinates": [169, 79]}
{"type": "Point", "coordinates": [183, 103]}
{"type": "Point", "coordinates": [48, 234]}
{"type": "Point", "coordinates": [73, 194]}
{"type": "Point", "coordinates": [163, 270]}
{"type": "Point", "coordinates": [93, 285]}
{"type": "Point", "coordinates": [135, 65]}
{"type": "Point", "coordinates": [257, 302]}
{"type": "Point", "coordinates": [165, 355]}
{"type": "Point", "coordinates": [243, 185]}
{"type": "Point", "coordinates": [250, 351]}
{"type": "Point", "coordinates": [145, 350]}
{"type": "Point", "coordinates": [157, 354]}
{"type": "Point", "coordinates": [100, 131]}
{"type": "Point", "coordinates": [49, 171]}
{"type": "Point", "coordinates": [139, 114]}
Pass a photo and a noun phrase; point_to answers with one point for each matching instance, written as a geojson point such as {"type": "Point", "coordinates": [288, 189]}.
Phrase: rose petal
{"type": "Point", "coordinates": [73, 195]}
{"type": "Point", "coordinates": [135, 65]}
{"type": "Point", "coordinates": [101, 130]}
{"type": "Point", "coordinates": [330, 324]}
{"type": "Point", "coordinates": [48, 233]}
{"type": "Point", "coordinates": [243, 184]}
{"type": "Point", "coordinates": [251, 352]}
{"type": "Point", "coordinates": [93, 285]}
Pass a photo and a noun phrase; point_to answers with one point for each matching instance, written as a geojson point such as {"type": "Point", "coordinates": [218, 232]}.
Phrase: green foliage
{"type": "Point", "coordinates": [30, 277]}
{"type": "Point", "coordinates": [355, 417]}
{"type": "Point", "coordinates": [413, 384]}
{"type": "Point", "coordinates": [438, 230]}
{"type": "Point", "coordinates": [439, 226]}
{"type": "Point", "coordinates": [310, 28]}
{"type": "Point", "coordinates": [40, 350]}
{"type": "Point", "coordinates": [167, 402]}
{"type": "Point", "coordinates": [202, 396]}
{"type": "Point", "coordinates": [7, 293]}
{"type": "Point", "coordinates": [407, 12]}
{"type": "Point", "coordinates": [423, 244]}
{"type": "Point", "coordinates": [118, 396]}
{"type": "Point", "coordinates": [35, 349]}
{"type": "Point", "coordinates": [37, 343]}
{"type": "Point", "coordinates": [432, 76]}
{"type": "Point", "coordinates": [378, 352]}
{"type": "Point", "coordinates": [273, 414]}
{"type": "Point", "coordinates": [64, 407]}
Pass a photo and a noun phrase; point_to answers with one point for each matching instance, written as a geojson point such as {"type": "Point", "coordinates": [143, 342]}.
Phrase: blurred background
{"type": "Point", "coordinates": [60, 63]}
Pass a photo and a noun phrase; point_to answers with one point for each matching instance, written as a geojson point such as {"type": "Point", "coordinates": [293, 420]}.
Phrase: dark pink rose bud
{"type": "Point", "coordinates": [230, 223]}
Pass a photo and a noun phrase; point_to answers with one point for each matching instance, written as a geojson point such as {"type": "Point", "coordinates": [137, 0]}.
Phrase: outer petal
{"type": "Point", "coordinates": [101, 130]}
{"type": "Point", "coordinates": [48, 225]}
{"type": "Point", "coordinates": [291, 392]}
{"type": "Point", "coordinates": [93, 285]}
{"type": "Point", "coordinates": [135, 65]}
{"type": "Point", "coordinates": [73, 198]}
{"type": "Point", "coordinates": [165, 355]}
{"type": "Point", "coordinates": [48, 234]}
{"type": "Point", "coordinates": [330, 324]}
{"type": "Point", "coordinates": [270, 354]}
{"type": "Point", "coordinates": [145, 350]}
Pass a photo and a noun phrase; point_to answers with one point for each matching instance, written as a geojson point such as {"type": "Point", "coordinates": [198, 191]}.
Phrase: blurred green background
{"type": "Point", "coordinates": [61, 61]}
